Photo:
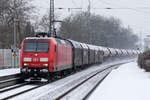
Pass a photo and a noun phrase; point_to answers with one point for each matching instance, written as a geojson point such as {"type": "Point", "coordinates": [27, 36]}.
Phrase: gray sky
{"type": "Point", "coordinates": [135, 13]}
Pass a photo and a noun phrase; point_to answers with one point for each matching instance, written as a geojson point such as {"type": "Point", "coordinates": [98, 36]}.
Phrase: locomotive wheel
{"type": "Point", "coordinates": [64, 73]}
{"type": "Point", "coordinates": [23, 77]}
{"type": "Point", "coordinates": [49, 78]}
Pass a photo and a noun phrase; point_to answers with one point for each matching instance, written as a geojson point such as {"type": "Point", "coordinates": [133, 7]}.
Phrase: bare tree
{"type": "Point", "coordinates": [103, 31]}
{"type": "Point", "coordinates": [10, 10]}
{"type": "Point", "coordinates": [43, 24]}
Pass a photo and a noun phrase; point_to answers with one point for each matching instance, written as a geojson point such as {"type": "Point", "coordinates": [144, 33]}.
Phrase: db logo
{"type": "Point", "coordinates": [35, 59]}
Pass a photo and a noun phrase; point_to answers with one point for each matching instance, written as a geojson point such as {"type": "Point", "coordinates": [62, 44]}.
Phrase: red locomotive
{"type": "Point", "coordinates": [42, 56]}
{"type": "Point", "coordinates": [48, 56]}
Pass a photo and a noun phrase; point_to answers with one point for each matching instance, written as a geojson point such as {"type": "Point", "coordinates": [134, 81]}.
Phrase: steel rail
{"type": "Point", "coordinates": [91, 91]}
{"type": "Point", "coordinates": [13, 87]}
{"type": "Point", "coordinates": [90, 77]}
{"type": "Point", "coordinates": [22, 92]}
{"type": "Point", "coordinates": [10, 80]}
{"type": "Point", "coordinates": [9, 76]}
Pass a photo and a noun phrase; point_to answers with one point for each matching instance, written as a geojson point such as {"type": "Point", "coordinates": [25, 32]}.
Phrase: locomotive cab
{"type": "Point", "coordinates": [35, 57]}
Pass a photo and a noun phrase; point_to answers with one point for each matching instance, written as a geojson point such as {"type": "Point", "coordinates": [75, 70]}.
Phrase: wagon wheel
{"type": "Point", "coordinates": [74, 68]}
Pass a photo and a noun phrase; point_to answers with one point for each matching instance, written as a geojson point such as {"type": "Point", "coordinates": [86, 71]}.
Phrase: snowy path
{"type": "Point", "coordinates": [128, 82]}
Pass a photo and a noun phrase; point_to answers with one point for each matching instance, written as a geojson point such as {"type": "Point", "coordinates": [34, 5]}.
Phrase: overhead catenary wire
{"type": "Point", "coordinates": [112, 8]}
{"type": "Point", "coordinates": [134, 9]}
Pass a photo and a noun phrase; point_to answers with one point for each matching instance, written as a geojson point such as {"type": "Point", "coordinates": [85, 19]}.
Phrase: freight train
{"type": "Point", "coordinates": [45, 57]}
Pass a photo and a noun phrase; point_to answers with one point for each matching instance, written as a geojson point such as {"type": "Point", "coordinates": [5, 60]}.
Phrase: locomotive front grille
{"type": "Point", "coordinates": [35, 59]}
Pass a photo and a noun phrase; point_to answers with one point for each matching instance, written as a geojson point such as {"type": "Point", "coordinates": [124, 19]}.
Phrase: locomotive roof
{"type": "Point", "coordinates": [56, 40]}
{"type": "Point", "coordinates": [38, 38]}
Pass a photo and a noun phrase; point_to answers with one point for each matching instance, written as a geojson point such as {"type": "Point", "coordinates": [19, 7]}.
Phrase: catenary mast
{"type": "Point", "coordinates": [51, 19]}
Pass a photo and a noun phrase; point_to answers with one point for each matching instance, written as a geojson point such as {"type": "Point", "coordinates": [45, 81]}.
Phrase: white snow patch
{"type": "Point", "coordinates": [128, 82]}
{"type": "Point", "coordinates": [5, 72]}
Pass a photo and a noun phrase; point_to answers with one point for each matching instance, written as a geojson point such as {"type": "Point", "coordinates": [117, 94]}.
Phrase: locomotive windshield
{"type": "Point", "coordinates": [36, 47]}
{"type": "Point", "coordinates": [42, 47]}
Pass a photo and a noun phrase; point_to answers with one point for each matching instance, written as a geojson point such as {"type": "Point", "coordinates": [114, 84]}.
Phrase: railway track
{"type": "Point", "coordinates": [82, 86]}
{"type": "Point", "coordinates": [10, 80]}
{"type": "Point", "coordinates": [12, 87]}
{"type": "Point", "coordinates": [69, 94]}
{"type": "Point", "coordinates": [78, 89]}
{"type": "Point", "coordinates": [18, 90]}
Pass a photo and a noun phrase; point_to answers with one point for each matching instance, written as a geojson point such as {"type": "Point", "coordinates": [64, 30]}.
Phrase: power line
{"type": "Point", "coordinates": [134, 9]}
{"type": "Point", "coordinates": [104, 8]}
{"type": "Point", "coordinates": [94, 8]}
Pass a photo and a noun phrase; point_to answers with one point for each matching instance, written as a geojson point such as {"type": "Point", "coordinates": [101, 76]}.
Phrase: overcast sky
{"type": "Point", "coordinates": [135, 13]}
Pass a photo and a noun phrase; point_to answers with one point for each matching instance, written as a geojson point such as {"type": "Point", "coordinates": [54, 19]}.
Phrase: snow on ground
{"type": "Point", "coordinates": [128, 82]}
{"type": "Point", "coordinates": [5, 72]}
{"type": "Point", "coordinates": [17, 90]}
{"type": "Point", "coordinates": [45, 90]}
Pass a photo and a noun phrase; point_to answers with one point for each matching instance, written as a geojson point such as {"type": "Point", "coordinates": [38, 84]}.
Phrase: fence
{"type": "Point", "coordinates": [7, 60]}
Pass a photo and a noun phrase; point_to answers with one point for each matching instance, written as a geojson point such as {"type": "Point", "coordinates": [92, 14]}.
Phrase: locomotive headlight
{"type": "Point", "coordinates": [45, 65]}
{"type": "Point", "coordinates": [44, 59]}
{"type": "Point", "coordinates": [27, 59]}
{"type": "Point", "coordinates": [26, 64]}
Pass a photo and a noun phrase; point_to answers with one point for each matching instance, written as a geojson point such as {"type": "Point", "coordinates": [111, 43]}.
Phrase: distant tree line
{"type": "Point", "coordinates": [82, 27]}
{"type": "Point", "coordinates": [10, 10]}
{"type": "Point", "coordinates": [98, 30]}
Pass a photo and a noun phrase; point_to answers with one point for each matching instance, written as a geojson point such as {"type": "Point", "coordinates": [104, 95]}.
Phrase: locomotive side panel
{"type": "Point", "coordinates": [63, 56]}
